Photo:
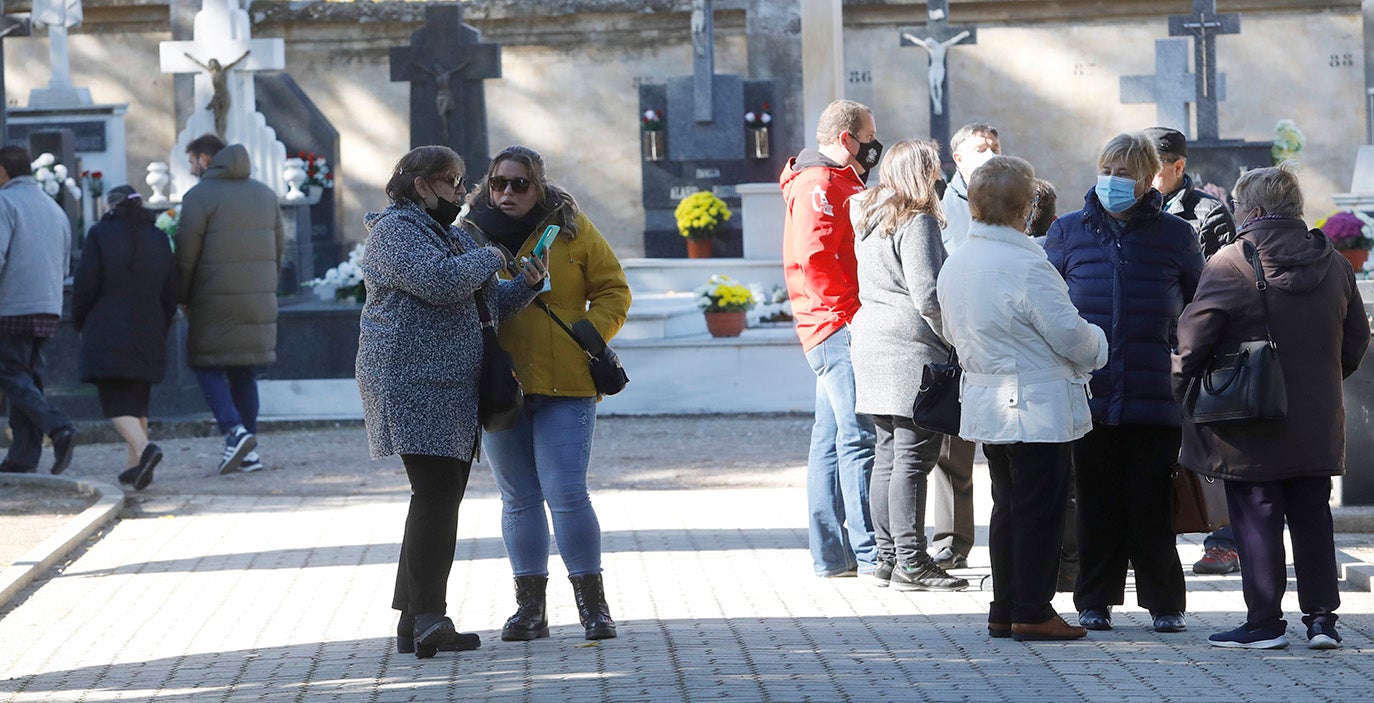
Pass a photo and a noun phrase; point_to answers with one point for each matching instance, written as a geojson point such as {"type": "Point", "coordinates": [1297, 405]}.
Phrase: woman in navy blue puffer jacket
{"type": "Point", "coordinates": [1130, 268]}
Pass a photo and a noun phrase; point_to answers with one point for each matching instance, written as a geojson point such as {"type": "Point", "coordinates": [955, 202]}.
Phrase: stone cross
{"type": "Point", "coordinates": [9, 27]}
{"type": "Point", "coordinates": [226, 100]}
{"type": "Point", "coordinates": [1171, 88]}
{"type": "Point", "coordinates": [1204, 24]}
{"type": "Point", "coordinates": [445, 64]}
{"type": "Point", "coordinates": [937, 37]}
{"type": "Point", "coordinates": [703, 60]}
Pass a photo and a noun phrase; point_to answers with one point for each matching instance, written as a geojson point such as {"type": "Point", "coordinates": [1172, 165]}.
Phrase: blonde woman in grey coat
{"type": "Point", "coordinates": [895, 333]}
{"type": "Point", "coordinates": [419, 357]}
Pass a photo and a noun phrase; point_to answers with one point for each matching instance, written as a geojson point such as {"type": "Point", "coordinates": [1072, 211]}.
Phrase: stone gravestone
{"type": "Point", "coordinates": [223, 55]}
{"type": "Point", "coordinates": [1204, 25]}
{"type": "Point", "coordinates": [9, 27]}
{"type": "Point", "coordinates": [301, 126]}
{"type": "Point", "coordinates": [937, 37]}
{"type": "Point", "coordinates": [445, 64]}
{"type": "Point", "coordinates": [706, 148]}
{"type": "Point", "coordinates": [1171, 88]}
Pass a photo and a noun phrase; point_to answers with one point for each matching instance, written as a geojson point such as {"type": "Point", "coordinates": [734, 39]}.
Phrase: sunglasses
{"type": "Point", "coordinates": [458, 182]}
{"type": "Point", "coordinates": [498, 184]}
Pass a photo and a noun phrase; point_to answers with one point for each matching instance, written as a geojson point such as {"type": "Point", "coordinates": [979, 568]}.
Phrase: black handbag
{"type": "Point", "coordinates": [500, 397]}
{"type": "Point", "coordinates": [1244, 385]}
{"type": "Point", "coordinates": [937, 406]}
{"type": "Point", "coordinates": [608, 375]}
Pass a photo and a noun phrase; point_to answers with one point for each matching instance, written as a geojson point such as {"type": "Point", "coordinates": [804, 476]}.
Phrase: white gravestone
{"type": "Point", "coordinates": [58, 16]}
{"type": "Point", "coordinates": [223, 55]}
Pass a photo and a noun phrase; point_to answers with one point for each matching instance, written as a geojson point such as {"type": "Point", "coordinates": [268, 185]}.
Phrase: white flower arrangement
{"type": "Point", "coordinates": [342, 281]}
{"type": "Point", "coordinates": [773, 305]}
{"type": "Point", "coordinates": [52, 177]}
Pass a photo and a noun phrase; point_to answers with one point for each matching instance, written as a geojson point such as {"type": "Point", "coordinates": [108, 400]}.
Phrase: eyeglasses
{"type": "Point", "coordinates": [498, 184]}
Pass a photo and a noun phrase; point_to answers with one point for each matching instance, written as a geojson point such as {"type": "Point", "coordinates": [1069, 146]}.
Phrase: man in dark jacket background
{"type": "Point", "coordinates": [228, 249]}
{"type": "Point", "coordinates": [1212, 221]}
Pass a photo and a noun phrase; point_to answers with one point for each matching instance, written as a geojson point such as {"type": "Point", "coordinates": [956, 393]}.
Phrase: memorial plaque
{"type": "Point", "coordinates": [89, 136]}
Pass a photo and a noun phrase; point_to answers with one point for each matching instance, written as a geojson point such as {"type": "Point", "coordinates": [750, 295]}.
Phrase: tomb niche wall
{"type": "Point", "coordinates": [1052, 88]}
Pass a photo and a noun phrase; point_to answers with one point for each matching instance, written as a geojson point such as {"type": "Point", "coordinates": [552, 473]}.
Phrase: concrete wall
{"type": "Point", "coordinates": [571, 67]}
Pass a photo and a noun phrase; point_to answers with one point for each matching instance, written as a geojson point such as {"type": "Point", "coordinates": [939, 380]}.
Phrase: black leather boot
{"type": "Point", "coordinates": [530, 621]}
{"type": "Point", "coordinates": [459, 642]}
{"type": "Point", "coordinates": [591, 606]}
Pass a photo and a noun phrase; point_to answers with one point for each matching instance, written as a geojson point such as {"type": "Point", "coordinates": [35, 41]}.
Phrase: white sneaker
{"type": "Point", "coordinates": [237, 444]}
{"type": "Point", "coordinates": [251, 462]}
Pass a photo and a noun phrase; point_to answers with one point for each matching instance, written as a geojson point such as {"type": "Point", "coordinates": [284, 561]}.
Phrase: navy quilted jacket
{"type": "Point", "coordinates": [1134, 286]}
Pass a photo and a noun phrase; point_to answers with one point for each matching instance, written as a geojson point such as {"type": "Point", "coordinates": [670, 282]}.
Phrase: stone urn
{"type": "Point", "coordinates": [158, 179]}
{"type": "Point", "coordinates": [293, 173]}
{"type": "Point", "coordinates": [725, 324]}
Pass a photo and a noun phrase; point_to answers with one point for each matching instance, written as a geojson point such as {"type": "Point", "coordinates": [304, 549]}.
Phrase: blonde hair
{"type": "Point", "coordinates": [1135, 151]}
{"type": "Point", "coordinates": [1274, 189]}
{"type": "Point", "coordinates": [1000, 192]}
{"type": "Point", "coordinates": [906, 187]}
{"type": "Point", "coordinates": [840, 116]}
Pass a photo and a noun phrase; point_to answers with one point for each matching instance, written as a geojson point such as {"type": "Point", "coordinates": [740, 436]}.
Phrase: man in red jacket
{"type": "Point", "coordinates": [823, 285]}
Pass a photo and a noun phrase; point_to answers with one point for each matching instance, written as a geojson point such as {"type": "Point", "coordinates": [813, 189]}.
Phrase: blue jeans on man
{"type": "Point", "coordinates": [30, 416]}
{"type": "Point", "coordinates": [839, 466]}
{"type": "Point", "coordinates": [232, 394]}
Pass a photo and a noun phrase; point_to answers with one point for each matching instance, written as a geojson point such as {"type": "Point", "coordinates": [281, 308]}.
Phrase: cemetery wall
{"type": "Point", "coordinates": [1048, 77]}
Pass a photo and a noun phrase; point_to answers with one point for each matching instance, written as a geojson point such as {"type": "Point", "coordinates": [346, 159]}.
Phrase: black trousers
{"type": "Point", "coordinates": [21, 382]}
{"type": "Point", "coordinates": [437, 484]}
{"type": "Point", "coordinates": [1122, 474]}
{"type": "Point", "coordinates": [903, 456]}
{"type": "Point", "coordinates": [1029, 485]}
{"type": "Point", "coordinates": [1258, 511]}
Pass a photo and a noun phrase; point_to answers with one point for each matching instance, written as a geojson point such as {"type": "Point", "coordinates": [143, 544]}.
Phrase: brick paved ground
{"type": "Point", "coordinates": [240, 597]}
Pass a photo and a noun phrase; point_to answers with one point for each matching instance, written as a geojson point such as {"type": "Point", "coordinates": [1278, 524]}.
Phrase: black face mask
{"type": "Point", "coordinates": [869, 153]}
{"type": "Point", "coordinates": [445, 212]}
{"type": "Point", "coordinates": [940, 186]}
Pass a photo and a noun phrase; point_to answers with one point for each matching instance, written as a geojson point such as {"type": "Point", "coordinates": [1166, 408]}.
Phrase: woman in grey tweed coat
{"type": "Point", "coordinates": [419, 357]}
{"type": "Point", "coordinates": [895, 333]}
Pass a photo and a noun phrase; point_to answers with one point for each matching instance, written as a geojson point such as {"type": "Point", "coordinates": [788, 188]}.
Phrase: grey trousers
{"type": "Point", "coordinates": [951, 495]}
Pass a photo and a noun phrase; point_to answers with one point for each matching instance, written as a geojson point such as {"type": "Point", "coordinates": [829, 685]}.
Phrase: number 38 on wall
{"type": "Point", "coordinates": [1340, 60]}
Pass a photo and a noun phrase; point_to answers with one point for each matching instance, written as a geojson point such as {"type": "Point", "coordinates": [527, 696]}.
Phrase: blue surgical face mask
{"type": "Point", "coordinates": [1117, 194]}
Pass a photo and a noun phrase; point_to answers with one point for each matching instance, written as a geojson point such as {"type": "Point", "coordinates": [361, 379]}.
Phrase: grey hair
{"type": "Point", "coordinates": [1274, 189]}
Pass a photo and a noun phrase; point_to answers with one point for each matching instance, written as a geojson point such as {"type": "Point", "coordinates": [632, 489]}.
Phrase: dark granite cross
{"type": "Point", "coordinates": [1171, 88]}
{"type": "Point", "coordinates": [937, 37]}
{"type": "Point", "coordinates": [703, 60]}
{"type": "Point", "coordinates": [1203, 25]}
{"type": "Point", "coordinates": [9, 27]}
{"type": "Point", "coordinates": [445, 64]}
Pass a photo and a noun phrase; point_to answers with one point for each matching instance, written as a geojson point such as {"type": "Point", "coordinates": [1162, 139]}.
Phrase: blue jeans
{"type": "Point", "coordinates": [1221, 537]}
{"type": "Point", "coordinates": [232, 394]}
{"type": "Point", "coordinates": [839, 466]}
{"type": "Point", "coordinates": [21, 382]}
{"type": "Point", "coordinates": [544, 458]}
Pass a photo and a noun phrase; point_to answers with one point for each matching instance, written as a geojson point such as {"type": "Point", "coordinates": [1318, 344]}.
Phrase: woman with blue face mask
{"type": "Point", "coordinates": [1130, 268]}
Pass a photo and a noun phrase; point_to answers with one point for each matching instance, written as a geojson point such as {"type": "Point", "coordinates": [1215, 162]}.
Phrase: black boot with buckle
{"type": "Point", "coordinates": [591, 606]}
{"type": "Point", "coordinates": [530, 621]}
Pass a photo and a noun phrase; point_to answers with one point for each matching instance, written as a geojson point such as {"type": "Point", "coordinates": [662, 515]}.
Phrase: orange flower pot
{"type": "Point", "coordinates": [725, 324]}
{"type": "Point", "coordinates": [1356, 257]}
{"type": "Point", "coordinates": [699, 248]}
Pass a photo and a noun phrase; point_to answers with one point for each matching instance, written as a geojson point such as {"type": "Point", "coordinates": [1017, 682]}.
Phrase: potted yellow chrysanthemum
{"type": "Point", "coordinates": [699, 217]}
{"type": "Point", "coordinates": [725, 303]}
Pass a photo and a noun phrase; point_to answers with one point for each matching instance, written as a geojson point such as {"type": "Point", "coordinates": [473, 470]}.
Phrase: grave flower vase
{"type": "Point", "coordinates": [699, 248]}
{"type": "Point", "coordinates": [653, 143]}
{"type": "Point", "coordinates": [1356, 257]}
{"type": "Point", "coordinates": [758, 142]}
{"type": "Point", "coordinates": [725, 324]}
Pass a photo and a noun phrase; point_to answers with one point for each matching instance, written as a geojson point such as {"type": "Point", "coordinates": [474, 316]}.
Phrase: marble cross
{"type": "Point", "coordinates": [937, 37]}
{"type": "Point", "coordinates": [1204, 25]}
{"type": "Point", "coordinates": [1171, 88]}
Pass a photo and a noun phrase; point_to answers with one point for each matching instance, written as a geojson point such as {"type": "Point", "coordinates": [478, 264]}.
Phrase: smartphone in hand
{"type": "Point", "coordinates": [542, 246]}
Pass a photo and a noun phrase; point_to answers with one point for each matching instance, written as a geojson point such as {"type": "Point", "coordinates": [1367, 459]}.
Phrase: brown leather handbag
{"type": "Point", "coordinates": [1199, 502]}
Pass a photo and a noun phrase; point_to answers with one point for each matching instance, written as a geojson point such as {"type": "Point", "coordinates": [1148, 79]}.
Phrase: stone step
{"type": "Point", "coordinates": [662, 316]}
{"type": "Point", "coordinates": [761, 371]}
{"type": "Point", "coordinates": [685, 275]}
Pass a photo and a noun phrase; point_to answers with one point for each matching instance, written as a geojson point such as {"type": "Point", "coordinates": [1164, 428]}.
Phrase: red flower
{"type": "Point", "coordinates": [97, 174]}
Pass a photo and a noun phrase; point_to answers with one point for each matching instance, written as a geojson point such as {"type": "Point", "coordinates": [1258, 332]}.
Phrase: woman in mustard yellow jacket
{"type": "Point", "coordinates": [544, 457]}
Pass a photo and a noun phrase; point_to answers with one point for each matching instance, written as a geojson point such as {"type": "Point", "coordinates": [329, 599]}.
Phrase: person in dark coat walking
{"type": "Point", "coordinates": [419, 362]}
{"type": "Point", "coordinates": [123, 302]}
{"type": "Point", "coordinates": [1278, 471]}
{"type": "Point", "coordinates": [1130, 268]}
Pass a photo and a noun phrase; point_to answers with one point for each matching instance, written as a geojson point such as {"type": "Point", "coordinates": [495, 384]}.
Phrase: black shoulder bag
{"type": "Point", "coordinates": [937, 406]}
{"type": "Point", "coordinates": [607, 374]}
{"type": "Point", "coordinates": [1245, 385]}
{"type": "Point", "coordinates": [500, 397]}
